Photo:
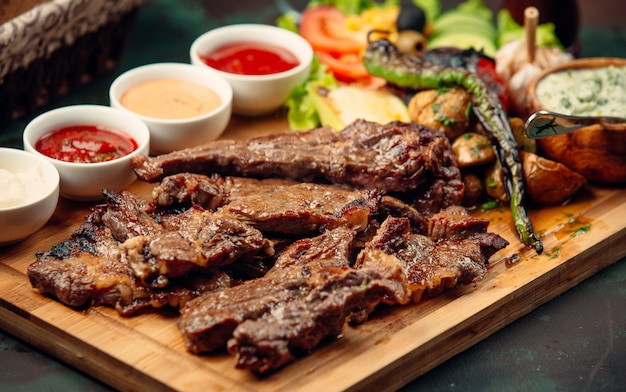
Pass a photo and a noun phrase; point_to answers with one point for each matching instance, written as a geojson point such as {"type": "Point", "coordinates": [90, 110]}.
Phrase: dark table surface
{"type": "Point", "coordinates": [576, 342]}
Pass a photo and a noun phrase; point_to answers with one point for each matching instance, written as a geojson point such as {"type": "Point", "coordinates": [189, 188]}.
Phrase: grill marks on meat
{"type": "Point", "coordinates": [90, 269]}
{"type": "Point", "coordinates": [296, 327]}
{"type": "Point", "coordinates": [455, 251]}
{"type": "Point", "coordinates": [397, 157]}
{"type": "Point", "coordinates": [269, 321]}
{"type": "Point", "coordinates": [332, 248]}
{"type": "Point", "coordinates": [376, 234]}
{"type": "Point", "coordinates": [87, 263]}
{"type": "Point", "coordinates": [208, 322]}
{"type": "Point", "coordinates": [194, 238]}
{"type": "Point", "coordinates": [273, 206]}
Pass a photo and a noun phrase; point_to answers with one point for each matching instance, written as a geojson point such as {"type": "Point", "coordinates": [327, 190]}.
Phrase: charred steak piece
{"type": "Point", "coordinates": [208, 192]}
{"type": "Point", "coordinates": [456, 255]}
{"type": "Point", "coordinates": [294, 328]}
{"type": "Point", "coordinates": [331, 248]}
{"type": "Point", "coordinates": [207, 323]}
{"type": "Point", "coordinates": [395, 157]}
{"type": "Point", "coordinates": [128, 216]}
{"type": "Point", "coordinates": [84, 268]}
{"type": "Point", "coordinates": [304, 208]}
{"type": "Point", "coordinates": [90, 269]}
{"type": "Point", "coordinates": [194, 238]}
{"type": "Point", "coordinates": [275, 207]}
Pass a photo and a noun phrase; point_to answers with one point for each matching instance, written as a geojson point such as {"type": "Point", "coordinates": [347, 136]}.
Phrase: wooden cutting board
{"type": "Point", "coordinates": [396, 345]}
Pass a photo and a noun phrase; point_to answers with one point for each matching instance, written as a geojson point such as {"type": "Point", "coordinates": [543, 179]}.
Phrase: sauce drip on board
{"type": "Point", "coordinates": [251, 58]}
{"type": "Point", "coordinates": [170, 99]}
{"type": "Point", "coordinates": [85, 144]}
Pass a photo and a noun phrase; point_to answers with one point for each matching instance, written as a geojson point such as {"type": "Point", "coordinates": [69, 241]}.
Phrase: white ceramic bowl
{"type": "Point", "coordinates": [18, 221]}
{"type": "Point", "coordinates": [85, 181]}
{"type": "Point", "coordinates": [257, 94]}
{"type": "Point", "coordinates": [174, 134]}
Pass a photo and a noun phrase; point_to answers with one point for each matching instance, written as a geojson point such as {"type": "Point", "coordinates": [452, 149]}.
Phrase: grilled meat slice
{"type": "Point", "coordinates": [304, 208]}
{"type": "Point", "coordinates": [273, 206]}
{"type": "Point", "coordinates": [194, 238]}
{"type": "Point", "coordinates": [455, 223]}
{"type": "Point", "coordinates": [89, 262]}
{"type": "Point", "coordinates": [128, 216]}
{"type": "Point", "coordinates": [392, 206]}
{"type": "Point", "coordinates": [198, 238]}
{"type": "Point", "coordinates": [208, 192]}
{"type": "Point", "coordinates": [91, 269]}
{"type": "Point", "coordinates": [457, 256]}
{"type": "Point", "coordinates": [296, 327]}
{"type": "Point", "coordinates": [331, 248]}
{"type": "Point", "coordinates": [396, 157]}
{"type": "Point", "coordinates": [208, 322]}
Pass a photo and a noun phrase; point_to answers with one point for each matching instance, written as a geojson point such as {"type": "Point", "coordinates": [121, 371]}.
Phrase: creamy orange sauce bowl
{"type": "Point", "coordinates": [182, 105]}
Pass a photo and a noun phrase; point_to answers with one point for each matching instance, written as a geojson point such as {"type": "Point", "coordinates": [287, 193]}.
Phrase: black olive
{"type": "Point", "coordinates": [411, 17]}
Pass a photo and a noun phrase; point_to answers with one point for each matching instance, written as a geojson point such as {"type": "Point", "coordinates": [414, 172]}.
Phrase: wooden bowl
{"type": "Point", "coordinates": [597, 152]}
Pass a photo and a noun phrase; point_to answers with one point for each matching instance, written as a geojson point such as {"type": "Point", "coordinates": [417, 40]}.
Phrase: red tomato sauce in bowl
{"type": "Point", "coordinates": [250, 58]}
{"type": "Point", "coordinates": [85, 144]}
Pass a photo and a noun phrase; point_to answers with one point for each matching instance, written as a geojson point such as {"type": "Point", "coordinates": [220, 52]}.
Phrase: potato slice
{"type": "Point", "coordinates": [546, 182]}
{"type": "Point", "coordinates": [338, 107]}
{"type": "Point", "coordinates": [549, 182]}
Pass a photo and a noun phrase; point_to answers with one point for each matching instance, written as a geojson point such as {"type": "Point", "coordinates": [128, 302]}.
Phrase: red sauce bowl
{"type": "Point", "coordinates": [81, 180]}
{"type": "Point", "coordinates": [263, 92]}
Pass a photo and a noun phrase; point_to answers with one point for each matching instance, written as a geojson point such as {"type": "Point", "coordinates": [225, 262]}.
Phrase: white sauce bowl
{"type": "Point", "coordinates": [20, 221]}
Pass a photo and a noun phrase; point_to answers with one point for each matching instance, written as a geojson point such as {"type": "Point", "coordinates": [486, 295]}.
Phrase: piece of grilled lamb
{"type": "Point", "coordinates": [304, 299]}
{"type": "Point", "coordinates": [294, 328]}
{"type": "Point", "coordinates": [455, 251]}
{"type": "Point", "coordinates": [273, 206]}
{"type": "Point", "coordinates": [90, 269]}
{"type": "Point", "coordinates": [208, 322]}
{"type": "Point", "coordinates": [158, 251]}
{"type": "Point", "coordinates": [396, 157]}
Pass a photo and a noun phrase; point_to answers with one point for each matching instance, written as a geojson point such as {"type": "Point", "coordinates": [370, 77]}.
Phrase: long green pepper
{"type": "Point", "coordinates": [383, 59]}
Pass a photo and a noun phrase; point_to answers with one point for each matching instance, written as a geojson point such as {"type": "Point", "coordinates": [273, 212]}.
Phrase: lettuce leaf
{"type": "Point", "coordinates": [431, 8]}
{"type": "Point", "coordinates": [509, 29]}
{"type": "Point", "coordinates": [302, 113]}
{"type": "Point", "coordinates": [476, 8]}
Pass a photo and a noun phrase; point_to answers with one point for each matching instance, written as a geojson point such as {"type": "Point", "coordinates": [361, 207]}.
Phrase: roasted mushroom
{"type": "Point", "coordinates": [472, 149]}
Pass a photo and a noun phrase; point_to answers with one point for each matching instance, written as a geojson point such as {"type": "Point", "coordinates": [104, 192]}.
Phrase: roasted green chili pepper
{"type": "Point", "coordinates": [407, 71]}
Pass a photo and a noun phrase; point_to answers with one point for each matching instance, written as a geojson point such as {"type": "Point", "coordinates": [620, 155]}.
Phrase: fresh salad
{"type": "Point", "coordinates": [338, 31]}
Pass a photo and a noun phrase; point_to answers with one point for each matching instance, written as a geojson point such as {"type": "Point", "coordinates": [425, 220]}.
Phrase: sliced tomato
{"type": "Point", "coordinates": [325, 28]}
{"type": "Point", "coordinates": [346, 67]}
